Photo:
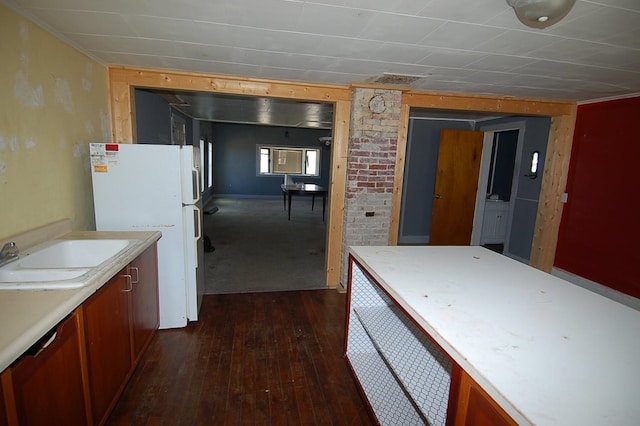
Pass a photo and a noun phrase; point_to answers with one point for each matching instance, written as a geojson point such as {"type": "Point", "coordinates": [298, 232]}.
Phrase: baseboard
{"type": "Point", "coordinates": [518, 258]}
{"type": "Point", "coordinates": [268, 197]}
{"type": "Point", "coordinates": [598, 288]}
{"type": "Point", "coordinates": [414, 240]}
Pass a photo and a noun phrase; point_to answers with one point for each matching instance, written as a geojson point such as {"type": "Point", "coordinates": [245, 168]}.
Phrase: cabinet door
{"type": "Point", "coordinates": [3, 410]}
{"type": "Point", "coordinates": [476, 408]}
{"type": "Point", "coordinates": [144, 300]}
{"type": "Point", "coordinates": [47, 384]}
{"type": "Point", "coordinates": [106, 318]}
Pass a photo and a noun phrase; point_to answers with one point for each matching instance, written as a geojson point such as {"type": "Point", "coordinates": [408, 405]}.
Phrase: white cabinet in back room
{"type": "Point", "coordinates": [494, 223]}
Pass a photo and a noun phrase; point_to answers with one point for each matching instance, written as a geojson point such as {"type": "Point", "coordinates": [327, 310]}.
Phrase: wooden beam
{"type": "Point", "coordinates": [398, 180]}
{"type": "Point", "coordinates": [337, 190]}
{"type": "Point", "coordinates": [380, 87]}
{"type": "Point", "coordinates": [229, 85]}
{"type": "Point", "coordinates": [122, 112]}
{"type": "Point", "coordinates": [554, 182]}
{"type": "Point", "coordinates": [486, 104]}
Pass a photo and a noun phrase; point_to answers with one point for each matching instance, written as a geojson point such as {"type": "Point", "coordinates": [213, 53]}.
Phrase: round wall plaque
{"type": "Point", "coordinates": [376, 104]}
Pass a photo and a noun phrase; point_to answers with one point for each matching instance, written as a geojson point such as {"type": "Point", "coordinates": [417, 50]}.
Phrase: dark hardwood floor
{"type": "Point", "coordinates": [251, 359]}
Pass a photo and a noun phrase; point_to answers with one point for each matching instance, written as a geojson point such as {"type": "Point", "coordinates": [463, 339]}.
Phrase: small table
{"type": "Point", "coordinates": [304, 189]}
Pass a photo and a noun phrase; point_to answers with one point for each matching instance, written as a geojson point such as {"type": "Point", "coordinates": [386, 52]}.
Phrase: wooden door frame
{"type": "Point", "coordinates": [554, 177]}
{"type": "Point", "coordinates": [123, 81]}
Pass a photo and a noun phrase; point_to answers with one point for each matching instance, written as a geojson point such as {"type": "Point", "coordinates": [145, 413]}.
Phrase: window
{"type": "Point", "coordinates": [210, 164]}
{"type": "Point", "coordinates": [279, 160]}
{"type": "Point", "coordinates": [202, 169]}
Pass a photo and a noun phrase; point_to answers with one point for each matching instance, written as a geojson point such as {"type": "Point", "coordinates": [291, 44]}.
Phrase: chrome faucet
{"type": "Point", "coordinates": [9, 253]}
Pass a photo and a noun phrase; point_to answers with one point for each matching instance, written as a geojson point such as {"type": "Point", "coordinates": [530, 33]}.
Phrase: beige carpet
{"type": "Point", "coordinates": [257, 249]}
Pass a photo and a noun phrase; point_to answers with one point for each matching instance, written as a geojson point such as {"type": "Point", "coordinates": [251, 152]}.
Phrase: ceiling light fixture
{"type": "Point", "coordinates": [541, 13]}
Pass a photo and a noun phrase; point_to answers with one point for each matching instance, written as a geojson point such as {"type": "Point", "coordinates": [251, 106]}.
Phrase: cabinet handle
{"type": "Point", "coordinates": [50, 341]}
{"type": "Point", "coordinates": [128, 277]}
{"type": "Point", "coordinates": [135, 268]}
{"type": "Point", "coordinates": [437, 196]}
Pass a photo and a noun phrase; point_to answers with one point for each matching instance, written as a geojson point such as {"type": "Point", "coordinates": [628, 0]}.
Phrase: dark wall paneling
{"type": "Point", "coordinates": [599, 237]}
{"type": "Point", "coordinates": [153, 118]}
{"type": "Point", "coordinates": [235, 145]}
{"type": "Point", "coordinates": [505, 143]}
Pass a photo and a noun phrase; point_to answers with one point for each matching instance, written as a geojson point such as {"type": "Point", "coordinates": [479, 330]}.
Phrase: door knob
{"type": "Point", "coordinates": [437, 196]}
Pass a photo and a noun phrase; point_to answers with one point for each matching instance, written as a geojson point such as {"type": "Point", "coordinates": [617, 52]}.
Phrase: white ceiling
{"type": "Point", "coordinates": [456, 46]}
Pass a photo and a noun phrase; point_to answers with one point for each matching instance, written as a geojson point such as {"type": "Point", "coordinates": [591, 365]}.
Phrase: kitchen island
{"type": "Point", "coordinates": [439, 324]}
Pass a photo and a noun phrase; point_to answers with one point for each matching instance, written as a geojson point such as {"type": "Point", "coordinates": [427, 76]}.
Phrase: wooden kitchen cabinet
{"type": "Point", "coordinates": [476, 408]}
{"type": "Point", "coordinates": [76, 372]}
{"type": "Point", "coordinates": [108, 343]}
{"type": "Point", "coordinates": [144, 301]}
{"type": "Point", "coordinates": [3, 409]}
{"type": "Point", "coordinates": [46, 384]}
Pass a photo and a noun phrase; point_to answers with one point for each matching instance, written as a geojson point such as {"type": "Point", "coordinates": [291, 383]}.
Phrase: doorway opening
{"type": "Point", "coordinates": [495, 207]}
{"type": "Point", "coordinates": [494, 187]}
{"type": "Point", "coordinates": [238, 124]}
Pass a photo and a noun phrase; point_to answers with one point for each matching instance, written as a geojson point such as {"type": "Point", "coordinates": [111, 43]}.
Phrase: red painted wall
{"type": "Point", "coordinates": [599, 237]}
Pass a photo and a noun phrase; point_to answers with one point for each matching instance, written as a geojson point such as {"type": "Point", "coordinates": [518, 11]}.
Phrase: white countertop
{"type": "Point", "coordinates": [27, 315]}
{"type": "Point", "coordinates": [547, 351]}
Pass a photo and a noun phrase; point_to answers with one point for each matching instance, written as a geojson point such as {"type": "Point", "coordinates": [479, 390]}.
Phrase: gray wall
{"type": "Point", "coordinates": [153, 120]}
{"type": "Point", "coordinates": [234, 151]}
{"type": "Point", "coordinates": [420, 177]}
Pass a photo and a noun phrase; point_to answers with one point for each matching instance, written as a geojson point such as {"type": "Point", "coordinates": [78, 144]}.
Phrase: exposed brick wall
{"type": "Point", "coordinates": [373, 140]}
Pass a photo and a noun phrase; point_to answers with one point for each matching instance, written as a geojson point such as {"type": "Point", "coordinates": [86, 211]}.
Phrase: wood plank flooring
{"type": "Point", "coordinates": [251, 359]}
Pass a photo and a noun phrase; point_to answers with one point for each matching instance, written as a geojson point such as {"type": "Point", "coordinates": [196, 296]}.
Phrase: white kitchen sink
{"type": "Point", "coordinates": [72, 253]}
{"type": "Point", "coordinates": [28, 279]}
{"type": "Point", "coordinates": [59, 264]}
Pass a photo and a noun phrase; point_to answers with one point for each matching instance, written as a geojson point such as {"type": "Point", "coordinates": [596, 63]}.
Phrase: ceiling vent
{"type": "Point", "coordinates": [396, 79]}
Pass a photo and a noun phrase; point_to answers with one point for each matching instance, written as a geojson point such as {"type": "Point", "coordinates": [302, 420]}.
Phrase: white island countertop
{"type": "Point", "coordinates": [27, 315]}
{"type": "Point", "coordinates": [547, 351]}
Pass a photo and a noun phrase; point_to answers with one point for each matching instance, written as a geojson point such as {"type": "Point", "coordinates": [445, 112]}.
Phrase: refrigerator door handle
{"type": "Point", "coordinates": [198, 231]}
{"type": "Point", "coordinates": [195, 173]}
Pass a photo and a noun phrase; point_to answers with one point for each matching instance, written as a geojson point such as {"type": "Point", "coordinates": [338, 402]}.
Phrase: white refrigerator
{"type": "Point", "coordinates": [140, 187]}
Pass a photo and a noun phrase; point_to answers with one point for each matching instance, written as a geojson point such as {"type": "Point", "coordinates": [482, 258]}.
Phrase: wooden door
{"type": "Point", "coordinates": [3, 410]}
{"type": "Point", "coordinates": [106, 315]}
{"type": "Point", "coordinates": [476, 408]}
{"type": "Point", "coordinates": [456, 187]}
{"type": "Point", "coordinates": [144, 300]}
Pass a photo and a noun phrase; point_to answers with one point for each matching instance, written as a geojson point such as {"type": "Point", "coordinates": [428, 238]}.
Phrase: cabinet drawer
{"type": "Point", "coordinates": [48, 376]}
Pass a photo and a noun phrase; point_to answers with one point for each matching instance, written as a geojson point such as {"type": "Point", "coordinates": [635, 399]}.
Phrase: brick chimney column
{"type": "Point", "coordinates": [373, 140]}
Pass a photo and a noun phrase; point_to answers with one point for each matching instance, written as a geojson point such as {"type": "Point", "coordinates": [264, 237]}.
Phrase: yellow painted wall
{"type": "Point", "coordinates": [54, 102]}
